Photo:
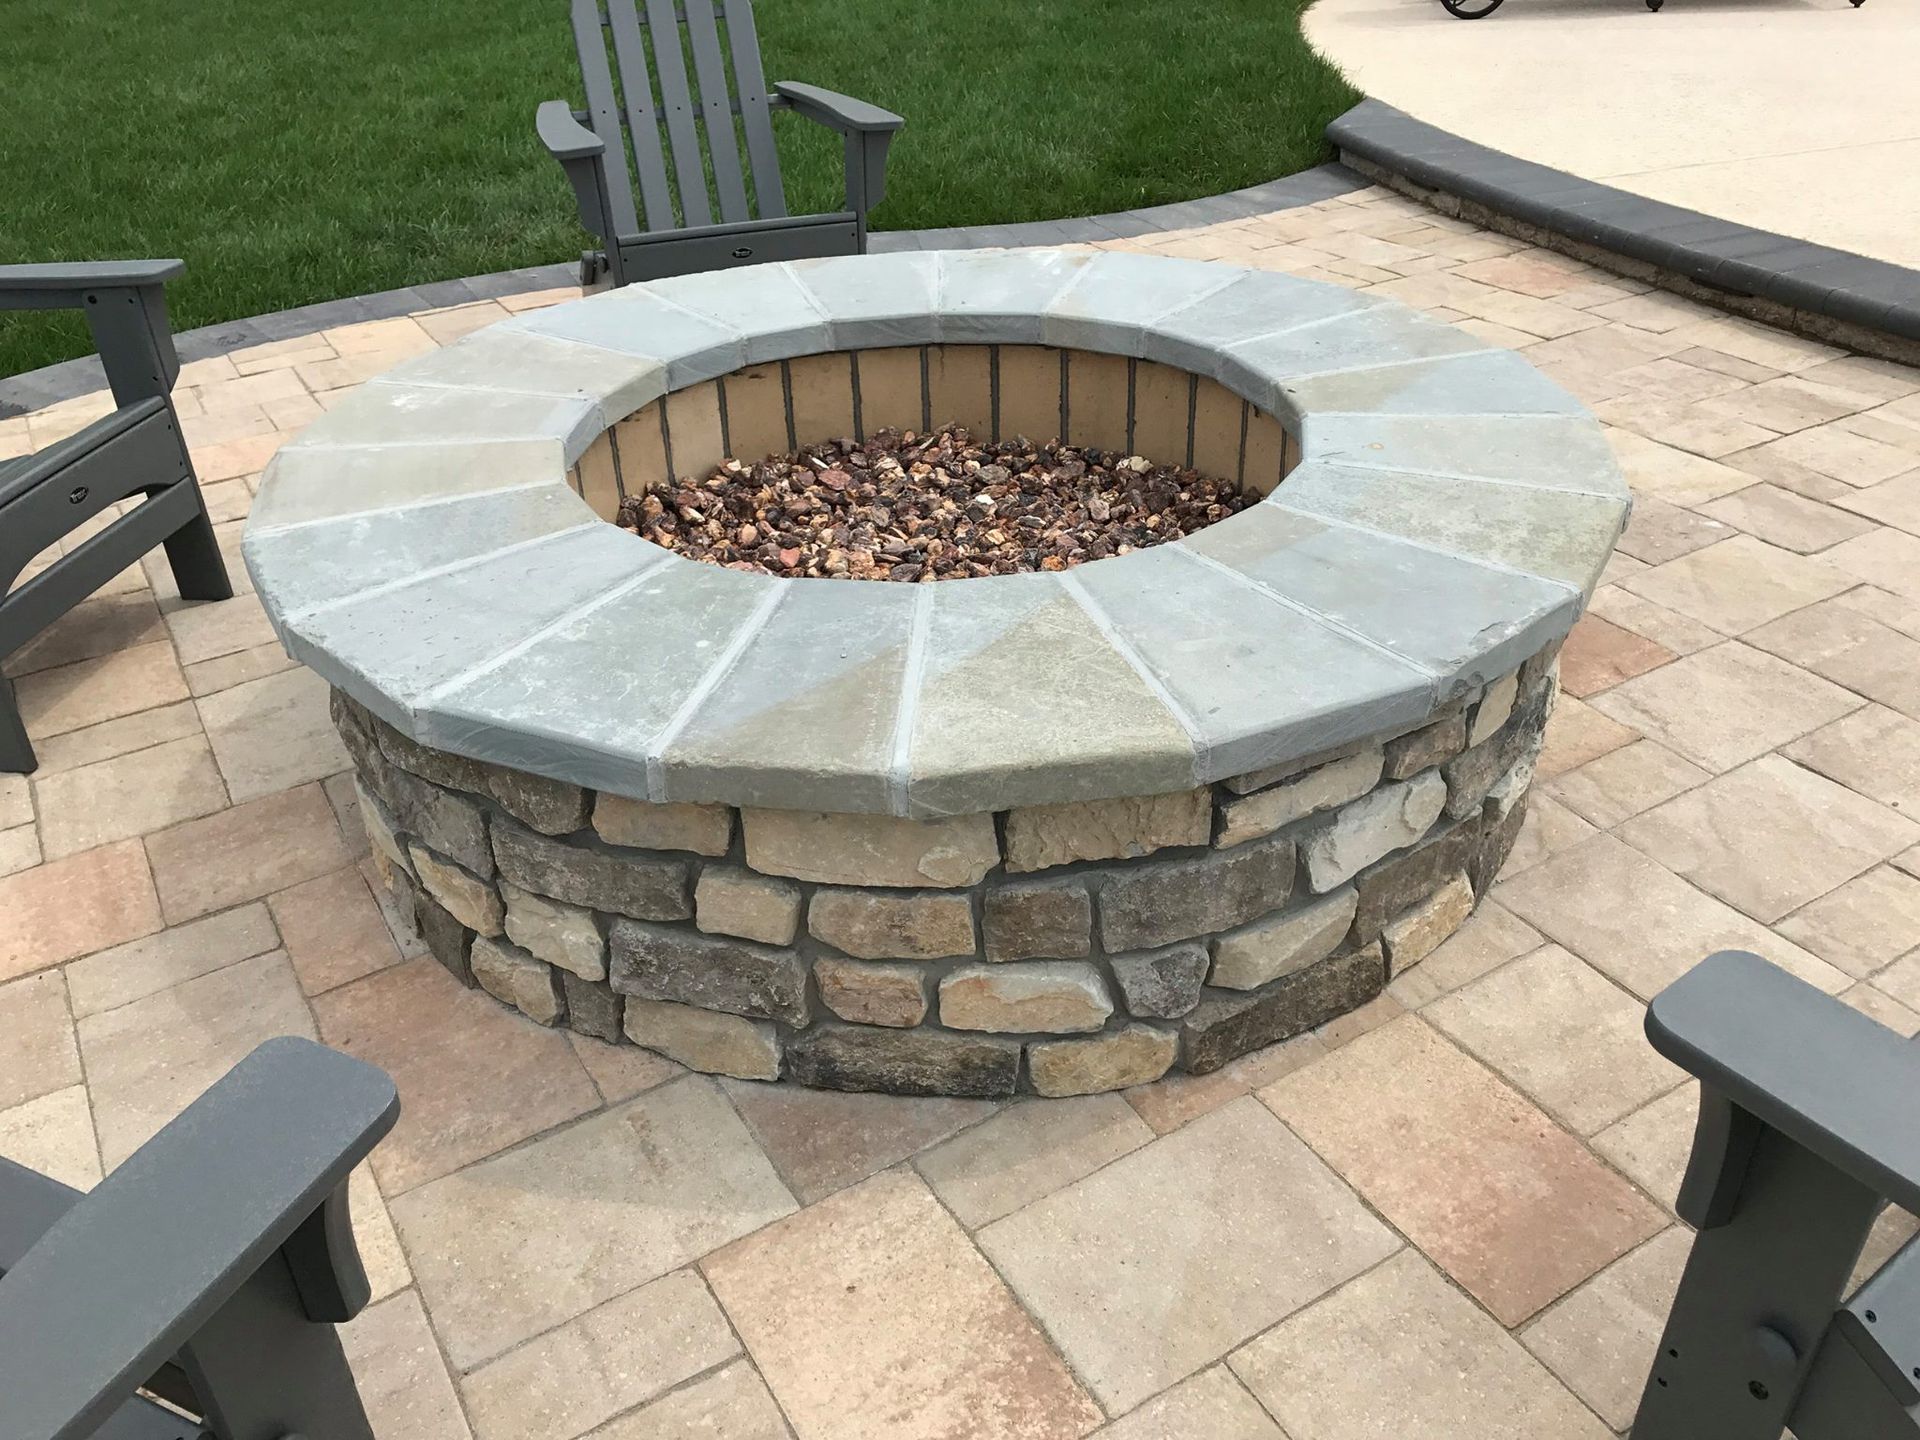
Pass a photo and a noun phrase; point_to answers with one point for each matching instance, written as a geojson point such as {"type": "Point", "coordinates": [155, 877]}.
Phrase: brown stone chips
{"type": "Point", "coordinates": [939, 506]}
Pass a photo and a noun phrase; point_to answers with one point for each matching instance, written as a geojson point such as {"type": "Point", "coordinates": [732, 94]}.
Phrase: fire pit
{"type": "Point", "coordinates": [1058, 831]}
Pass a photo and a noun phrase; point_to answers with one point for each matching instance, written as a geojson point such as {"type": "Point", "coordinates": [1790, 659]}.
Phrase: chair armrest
{"type": "Point", "coordinates": [836, 111]}
{"type": "Point", "coordinates": [64, 286]}
{"type": "Point", "coordinates": [564, 136]}
{"type": "Point", "coordinates": [127, 1276]}
{"type": "Point", "coordinates": [1822, 1074]}
{"type": "Point", "coordinates": [126, 308]}
{"type": "Point", "coordinates": [583, 156]}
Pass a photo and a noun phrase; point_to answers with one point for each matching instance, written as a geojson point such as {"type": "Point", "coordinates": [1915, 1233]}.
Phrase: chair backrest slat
{"type": "Point", "coordinates": [643, 120]}
{"type": "Point", "coordinates": [676, 101]}
{"type": "Point", "coordinates": [716, 109]}
{"type": "Point", "coordinates": [750, 86]}
{"type": "Point", "coordinates": [603, 113]}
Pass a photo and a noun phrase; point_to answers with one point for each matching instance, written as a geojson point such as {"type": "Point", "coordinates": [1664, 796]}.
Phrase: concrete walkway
{"type": "Point", "coordinates": [568, 1239]}
{"type": "Point", "coordinates": [1796, 116]}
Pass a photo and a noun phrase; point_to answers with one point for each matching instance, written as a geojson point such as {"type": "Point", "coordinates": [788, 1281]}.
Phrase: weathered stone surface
{"type": "Point", "coordinates": [1157, 903]}
{"type": "Point", "coordinates": [443, 819]}
{"type": "Point", "coordinates": [553, 807]}
{"type": "Point", "coordinates": [1252, 816]}
{"type": "Point", "coordinates": [1417, 931]}
{"type": "Point", "coordinates": [1037, 997]}
{"type": "Point", "coordinates": [1497, 843]}
{"type": "Point", "coordinates": [1039, 919]}
{"type": "Point", "coordinates": [1511, 788]}
{"type": "Point", "coordinates": [381, 833]}
{"type": "Point", "coordinates": [701, 1040]}
{"type": "Point", "coordinates": [869, 994]}
{"type": "Point", "coordinates": [644, 888]}
{"type": "Point", "coordinates": [1426, 747]}
{"type": "Point", "coordinates": [561, 934]}
{"type": "Point", "coordinates": [465, 896]}
{"type": "Point", "coordinates": [1391, 818]}
{"type": "Point", "coordinates": [871, 849]}
{"type": "Point", "coordinates": [904, 1062]}
{"type": "Point", "coordinates": [1259, 779]}
{"type": "Point", "coordinates": [1042, 836]}
{"type": "Point", "coordinates": [438, 767]}
{"type": "Point", "coordinates": [354, 723]}
{"type": "Point", "coordinates": [1137, 1055]}
{"type": "Point", "coordinates": [446, 939]}
{"type": "Point", "coordinates": [1470, 776]}
{"type": "Point", "coordinates": [656, 962]}
{"type": "Point", "coordinates": [1276, 945]}
{"type": "Point", "coordinates": [732, 900]}
{"type": "Point", "coordinates": [1161, 984]}
{"type": "Point", "coordinates": [1223, 1027]}
{"type": "Point", "coordinates": [510, 974]}
{"type": "Point", "coordinates": [703, 829]}
{"type": "Point", "coordinates": [892, 927]}
{"type": "Point", "coordinates": [1494, 708]}
{"type": "Point", "coordinates": [1407, 879]}
{"type": "Point", "coordinates": [592, 1007]}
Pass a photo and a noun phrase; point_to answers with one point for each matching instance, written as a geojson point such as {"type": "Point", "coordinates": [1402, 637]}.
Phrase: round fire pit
{"type": "Point", "coordinates": [1058, 831]}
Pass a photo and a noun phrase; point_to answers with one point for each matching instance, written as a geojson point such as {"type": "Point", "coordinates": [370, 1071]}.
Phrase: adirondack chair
{"type": "Point", "coordinates": [1809, 1125]}
{"type": "Point", "coordinates": [208, 1271]}
{"type": "Point", "coordinates": [137, 450]}
{"type": "Point", "coordinates": [679, 233]}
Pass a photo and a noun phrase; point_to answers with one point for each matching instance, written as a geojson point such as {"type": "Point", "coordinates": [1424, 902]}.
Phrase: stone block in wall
{"type": "Point", "coordinates": [874, 925]}
{"type": "Point", "coordinates": [703, 1040]}
{"type": "Point", "coordinates": [1494, 709]}
{"type": "Point", "coordinates": [632, 885]}
{"type": "Point", "coordinates": [1160, 902]}
{"type": "Point", "coordinates": [1391, 818]}
{"type": "Point", "coordinates": [553, 807]}
{"type": "Point", "coordinates": [560, 934]}
{"type": "Point", "coordinates": [382, 834]}
{"type": "Point", "coordinates": [874, 850]}
{"type": "Point", "coordinates": [873, 994]}
{"type": "Point", "coordinates": [1417, 931]}
{"type": "Point", "coordinates": [446, 939]}
{"type": "Point", "coordinates": [1135, 1055]}
{"type": "Point", "coordinates": [1273, 774]}
{"type": "Point", "coordinates": [1042, 836]}
{"type": "Point", "coordinates": [715, 972]}
{"type": "Point", "coordinates": [439, 767]}
{"type": "Point", "coordinates": [1281, 943]}
{"type": "Point", "coordinates": [354, 724]}
{"type": "Point", "coordinates": [1224, 1027]}
{"type": "Point", "coordinates": [1251, 816]}
{"type": "Point", "coordinates": [1039, 919]}
{"type": "Point", "coordinates": [592, 1007]}
{"type": "Point", "coordinates": [513, 976]}
{"type": "Point", "coordinates": [732, 900]}
{"type": "Point", "coordinates": [1161, 984]}
{"type": "Point", "coordinates": [1050, 997]}
{"type": "Point", "coordinates": [444, 820]}
{"type": "Point", "coordinates": [464, 895]}
{"type": "Point", "coordinates": [1470, 776]}
{"type": "Point", "coordinates": [1430, 745]}
{"type": "Point", "coordinates": [1391, 886]}
{"type": "Point", "coordinates": [1497, 841]}
{"type": "Point", "coordinates": [703, 829]}
{"type": "Point", "coordinates": [905, 1062]}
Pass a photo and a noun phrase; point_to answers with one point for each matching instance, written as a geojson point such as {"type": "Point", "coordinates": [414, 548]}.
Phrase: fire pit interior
{"type": "Point", "coordinates": [1059, 831]}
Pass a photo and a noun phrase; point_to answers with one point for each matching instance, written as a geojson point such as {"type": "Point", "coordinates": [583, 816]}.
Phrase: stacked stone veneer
{"type": "Point", "coordinates": [1062, 949]}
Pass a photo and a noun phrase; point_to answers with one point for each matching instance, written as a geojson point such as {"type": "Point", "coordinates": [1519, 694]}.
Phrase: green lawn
{"type": "Point", "coordinates": [299, 152]}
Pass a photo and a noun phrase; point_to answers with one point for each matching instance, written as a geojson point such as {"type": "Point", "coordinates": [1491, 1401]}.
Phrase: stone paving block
{"type": "Point", "coordinates": [54, 1135]}
{"type": "Point", "coordinates": [1863, 925]}
{"type": "Point", "coordinates": [1434, 1367]}
{"type": "Point", "coordinates": [1873, 752]}
{"type": "Point", "coordinates": [1157, 1265]}
{"type": "Point", "coordinates": [91, 629]}
{"type": "Point", "coordinates": [331, 929]}
{"type": "Point", "coordinates": [1211, 1403]}
{"type": "Point", "coordinates": [1776, 515]}
{"type": "Point", "coordinates": [1659, 531]}
{"type": "Point", "coordinates": [1599, 655]}
{"type": "Point", "coordinates": [37, 1053]}
{"type": "Point", "coordinates": [88, 692]}
{"type": "Point", "coordinates": [1625, 782]}
{"type": "Point", "coordinates": [1028, 1151]}
{"type": "Point", "coordinates": [241, 854]}
{"type": "Point", "coordinates": [107, 979]}
{"type": "Point", "coordinates": [778, 316]}
{"type": "Point", "coordinates": [871, 1315]}
{"type": "Point", "coordinates": [694, 346]}
{"type": "Point", "coordinates": [1489, 1171]}
{"type": "Point", "coordinates": [72, 907]}
{"type": "Point", "coordinates": [1738, 584]}
{"type": "Point", "coordinates": [1849, 647]}
{"type": "Point", "coordinates": [398, 1368]}
{"type": "Point", "coordinates": [733, 1402]}
{"type": "Point", "coordinates": [1651, 1145]}
{"type": "Point", "coordinates": [621, 1072]}
{"type": "Point", "coordinates": [130, 795]}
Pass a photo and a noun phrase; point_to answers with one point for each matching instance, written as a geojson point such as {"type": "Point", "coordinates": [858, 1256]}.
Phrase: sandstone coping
{"type": "Point", "coordinates": [421, 547]}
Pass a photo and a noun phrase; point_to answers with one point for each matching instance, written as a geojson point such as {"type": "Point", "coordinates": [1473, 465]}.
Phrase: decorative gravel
{"type": "Point", "coordinates": [939, 506]}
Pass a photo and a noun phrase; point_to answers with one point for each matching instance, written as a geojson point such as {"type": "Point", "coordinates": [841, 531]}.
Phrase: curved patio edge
{"type": "Point", "coordinates": [20, 394]}
{"type": "Point", "coordinates": [1865, 304]}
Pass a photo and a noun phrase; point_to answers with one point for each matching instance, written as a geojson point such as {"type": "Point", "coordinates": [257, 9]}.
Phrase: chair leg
{"type": "Point", "coordinates": [198, 567]}
{"type": "Point", "coordinates": [16, 751]}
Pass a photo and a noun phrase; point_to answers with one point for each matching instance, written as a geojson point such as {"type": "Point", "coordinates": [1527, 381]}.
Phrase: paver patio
{"type": "Point", "coordinates": [1448, 1215]}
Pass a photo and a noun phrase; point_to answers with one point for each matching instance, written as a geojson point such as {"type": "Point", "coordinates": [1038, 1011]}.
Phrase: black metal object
{"type": "Point", "coordinates": [1808, 1127]}
{"type": "Point", "coordinates": [210, 1269]}
{"type": "Point", "coordinates": [137, 450]}
{"type": "Point", "coordinates": [683, 135]}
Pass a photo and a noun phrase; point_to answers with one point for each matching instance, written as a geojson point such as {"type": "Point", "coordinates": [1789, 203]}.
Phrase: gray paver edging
{"type": "Point", "coordinates": [1795, 283]}
{"type": "Point", "coordinates": [420, 547]}
{"type": "Point", "coordinates": [20, 394]}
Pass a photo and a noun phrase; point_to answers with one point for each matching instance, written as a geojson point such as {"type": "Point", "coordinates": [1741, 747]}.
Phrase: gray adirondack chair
{"type": "Point", "coordinates": [1809, 1126]}
{"type": "Point", "coordinates": [208, 1271]}
{"type": "Point", "coordinates": [704, 134]}
{"type": "Point", "coordinates": [137, 450]}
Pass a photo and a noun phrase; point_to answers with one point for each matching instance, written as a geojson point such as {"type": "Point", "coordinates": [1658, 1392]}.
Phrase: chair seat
{"type": "Point", "coordinates": [738, 228]}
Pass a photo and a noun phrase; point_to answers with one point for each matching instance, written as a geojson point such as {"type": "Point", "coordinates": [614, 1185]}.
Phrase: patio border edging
{"type": "Point", "coordinates": [1865, 304]}
{"type": "Point", "coordinates": [50, 384]}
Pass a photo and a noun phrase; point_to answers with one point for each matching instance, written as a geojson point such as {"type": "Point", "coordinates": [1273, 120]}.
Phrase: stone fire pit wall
{"type": "Point", "coordinates": [1059, 833]}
